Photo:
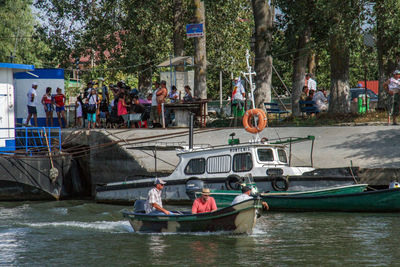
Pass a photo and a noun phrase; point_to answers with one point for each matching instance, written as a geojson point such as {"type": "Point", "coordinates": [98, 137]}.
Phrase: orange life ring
{"type": "Point", "coordinates": [248, 120]}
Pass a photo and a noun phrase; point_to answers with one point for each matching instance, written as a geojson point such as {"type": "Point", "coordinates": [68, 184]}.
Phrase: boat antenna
{"type": "Point", "coordinates": [250, 74]}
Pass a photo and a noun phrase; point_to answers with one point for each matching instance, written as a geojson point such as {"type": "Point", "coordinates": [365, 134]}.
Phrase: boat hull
{"type": "Point", "coordinates": [175, 191]}
{"type": "Point", "coordinates": [387, 200]}
{"type": "Point", "coordinates": [225, 197]}
{"type": "Point", "coordinates": [237, 219]}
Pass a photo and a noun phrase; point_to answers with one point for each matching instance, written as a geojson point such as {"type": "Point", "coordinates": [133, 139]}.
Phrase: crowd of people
{"type": "Point", "coordinates": [104, 106]}
{"type": "Point", "coordinates": [108, 106]}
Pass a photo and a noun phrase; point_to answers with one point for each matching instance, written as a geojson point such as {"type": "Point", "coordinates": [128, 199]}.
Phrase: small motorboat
{"type": "Point", "coordinates": [238, 219]}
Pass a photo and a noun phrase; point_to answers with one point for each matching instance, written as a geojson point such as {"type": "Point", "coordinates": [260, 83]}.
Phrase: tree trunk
{"type": "Point", "coordinates": [299, 70]}
{"type": "Point", "coordinates": [263, 19]}
{"type": "Point", "coordinates": [179, 45]}
{"type": "Point", "coordinates": [312, 62]}
{"type": "Point", "coordinates": [200, 60]}
{"type": "Point", "coordinates": [144, 78]}
{"type": "Point", "coordinates": [339, 61]}
{"type": "Point", "coordinates": [381, 46]}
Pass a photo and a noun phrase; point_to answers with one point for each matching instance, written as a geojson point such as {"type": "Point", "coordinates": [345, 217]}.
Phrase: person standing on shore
{"type": "Point", "coordinates": [310, 83]}
{"type": "Point", "coordinates": [47, 101]}
{"type": "Point", "coordinates": [32, 95]}
{"type": "Point", "coordinates": [59, 99]}
{"type": "Point", "coordinates": [392, 86]}
{"type": "Point", "coordinates": [154, 117]}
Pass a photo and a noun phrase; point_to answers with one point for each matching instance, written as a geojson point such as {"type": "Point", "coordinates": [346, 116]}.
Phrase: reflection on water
{"type": "Point", "coordinates": [74, 233]}
{"type": "Point", "coordinates": [204, 252]}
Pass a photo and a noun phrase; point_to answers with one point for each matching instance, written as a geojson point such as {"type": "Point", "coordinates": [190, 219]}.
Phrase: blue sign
{"type": "Point", "coordinates": [194, 30]}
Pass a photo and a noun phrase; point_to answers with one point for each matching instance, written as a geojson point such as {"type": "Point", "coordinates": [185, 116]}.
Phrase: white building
{"type": "Point", "coordinates": [7, 103]}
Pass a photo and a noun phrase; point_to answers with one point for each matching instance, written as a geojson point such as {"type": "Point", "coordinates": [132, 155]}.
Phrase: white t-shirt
{"type": "Point", "coordinates": [239, 91]}
{"type": "Point", "coordinates": [394, 85]}
{"type": "Point", "coordinates": [312, 85]}
{"type": "Point", "coordinates": [320, 101]}
{"type": "Point", "coordinates": [241, 198]}
{"type": "Point", "coordinates": [154, 98]}
{"type": "Point", "coordinates": [31, 92]}
{"type": "Point", "coordinates": [92, 99]}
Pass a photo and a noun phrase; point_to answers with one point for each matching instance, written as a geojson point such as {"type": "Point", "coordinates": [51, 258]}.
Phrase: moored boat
{"type": "Point", "coordinates": [225, 197]}
{"type": "Point", "coordinates": [224, 166]}
{"type": "Point", "coordinates": [238, 219]}
{"type": "Point", "coordinates": [386, 200]}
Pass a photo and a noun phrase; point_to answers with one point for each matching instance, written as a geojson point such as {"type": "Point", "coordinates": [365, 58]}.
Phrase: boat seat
{"type": "Point", "coordinates": [139, 206]}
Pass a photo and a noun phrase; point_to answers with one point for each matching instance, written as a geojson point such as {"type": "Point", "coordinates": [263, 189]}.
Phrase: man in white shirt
{"type": "Point", "coordinates": [392, 86]}
{"type": "Point", "coordinates": [320, 100]}
{"type": "Point", "coordinates": [238, 90]}
{"type": "Point", "coordinates": [310, 83]}
{"type": "Point", "coordinates": [246, 191]}
{"type": "Point", "coordinates": [154, 116]}
{"type": "Point", "coordinates": [32, 96]}
{"type": "Point", "coordinates": [238, 97]}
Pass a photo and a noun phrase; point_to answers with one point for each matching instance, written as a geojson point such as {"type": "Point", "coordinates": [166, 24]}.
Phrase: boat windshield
{"type": "Point", "coordinates": [282, 155]}
{"type": "Point", "coordinates": [265, 154]}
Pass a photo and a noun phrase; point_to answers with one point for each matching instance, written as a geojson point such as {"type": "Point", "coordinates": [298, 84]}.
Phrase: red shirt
{"type": "Point", "coordinates": [199, 206]}
{"type": "Point", "coordinates": [59, 99]}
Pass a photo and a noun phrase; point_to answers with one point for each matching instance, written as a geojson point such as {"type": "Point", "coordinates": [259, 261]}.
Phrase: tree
{"type": "Point", "coordinates": [298, 34]}
{"type": "Point", "coordinates": [18, 38]}
{"type": "Point", "coordinates": [345, 24]}
{"type": "Point", "coordinates": [200, 60]}
{"type": "Point", "coordinates": [387, 15]}
{"type": "Point", "coordinates": [264, 24]}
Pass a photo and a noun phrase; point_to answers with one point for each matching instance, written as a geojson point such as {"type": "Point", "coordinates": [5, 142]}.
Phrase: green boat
{"type": "Point", "coordinates": [238, 219]}
{"type": "Point", "coordinates": [387, 200]}
{"type": "Point", "coordinates": [225, 197]}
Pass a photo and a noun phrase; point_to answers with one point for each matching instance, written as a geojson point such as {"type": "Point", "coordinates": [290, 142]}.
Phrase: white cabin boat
{"type": "Point", "coordinates": [222, 167]}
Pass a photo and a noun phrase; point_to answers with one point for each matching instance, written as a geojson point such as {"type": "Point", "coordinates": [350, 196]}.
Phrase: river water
{"type": "Point", "coordinates": [80, 233]}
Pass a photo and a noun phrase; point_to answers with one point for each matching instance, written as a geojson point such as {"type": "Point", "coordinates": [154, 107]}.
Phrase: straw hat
{"type": "Point", "coordinates": [205, 191]}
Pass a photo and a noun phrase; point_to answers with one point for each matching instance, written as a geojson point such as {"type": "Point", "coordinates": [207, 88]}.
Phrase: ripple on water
{"type": "Point", "coordinates": [106, 226]}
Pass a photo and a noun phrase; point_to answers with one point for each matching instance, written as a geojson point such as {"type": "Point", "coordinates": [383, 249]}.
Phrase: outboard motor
{"type": "Point", "coordinates": [192, 186]}
{"type": "Point", "coordinates": [139, 206]}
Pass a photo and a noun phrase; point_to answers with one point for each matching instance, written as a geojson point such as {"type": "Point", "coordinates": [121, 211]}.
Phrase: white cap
{"type": "Point", "coordinates": [34, 84]}
{"type": "Point", "coordinates": [237, 78]}
{"type": "Point", "coordinates": [159, 181]}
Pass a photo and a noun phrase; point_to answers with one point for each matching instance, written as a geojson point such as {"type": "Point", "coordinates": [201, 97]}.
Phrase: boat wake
{"type": "Point", "coordinates": [105, 226]}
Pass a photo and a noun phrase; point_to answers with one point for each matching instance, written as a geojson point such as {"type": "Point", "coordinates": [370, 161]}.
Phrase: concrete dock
{"type": "Point", "coordinates": [113, 154]}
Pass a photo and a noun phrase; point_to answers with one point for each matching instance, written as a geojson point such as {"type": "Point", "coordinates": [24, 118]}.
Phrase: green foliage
{"type": "Point", "coordinates": [17, 34]}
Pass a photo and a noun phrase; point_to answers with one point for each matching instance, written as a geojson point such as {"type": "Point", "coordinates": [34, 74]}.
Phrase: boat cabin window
{"type": "Point", "coordinates": [282, 155]}
{"type": "Point", "coordinates": [242, 162]}
{"type": "Point", "coordinates": [265, 154]}
{"type": "Point", "coordinates": [195, 166]}
{"type": "Point", "coordinates": [219, 164]}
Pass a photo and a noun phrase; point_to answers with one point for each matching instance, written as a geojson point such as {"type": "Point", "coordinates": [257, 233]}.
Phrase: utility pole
{"type": "Point", "coordinates": [200, 60]}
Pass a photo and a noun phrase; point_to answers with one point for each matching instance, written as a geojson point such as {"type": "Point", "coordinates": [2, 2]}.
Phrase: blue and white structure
{"type": "Point", "coordinates": [44, 78]}
{"type": "Point", "coordinates": [7, 103]}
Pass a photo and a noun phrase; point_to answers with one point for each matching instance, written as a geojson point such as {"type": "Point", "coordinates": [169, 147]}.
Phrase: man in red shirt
{"type": "Point", "coordinates": [205, 203]}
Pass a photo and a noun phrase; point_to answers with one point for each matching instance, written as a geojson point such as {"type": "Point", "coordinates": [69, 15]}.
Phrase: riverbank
{"type": "Point", "coordinates": [121, 155]}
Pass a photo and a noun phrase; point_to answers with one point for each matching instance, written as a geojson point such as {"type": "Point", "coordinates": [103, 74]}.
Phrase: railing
{"type": "Point", "coordinates": [30, 140]}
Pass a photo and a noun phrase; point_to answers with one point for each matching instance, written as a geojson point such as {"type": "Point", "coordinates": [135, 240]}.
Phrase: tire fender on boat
{"type": "Point", "coordinates": [248, 120]}
{"type": "Point", "coordinates": [233, 182]}
{"type": "Point", "coordinates": [277, 180]}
